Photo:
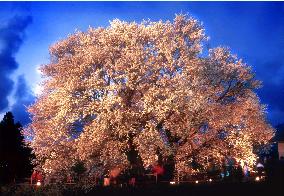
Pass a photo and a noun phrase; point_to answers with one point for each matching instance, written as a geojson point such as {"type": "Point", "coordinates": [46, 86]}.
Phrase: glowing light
{"type": "Point", "coordinates": [172, 182]}
{"type": "Point", "coordinates": [37, 89]}
{"type": "Point", "coordinates": [38, 183]}
{"type": "Point", "coordinates": [196, 182]}
{"type": "Point", "coordinates": [257, 178]}
{"type": "Point", "coordinates": [210, 180]}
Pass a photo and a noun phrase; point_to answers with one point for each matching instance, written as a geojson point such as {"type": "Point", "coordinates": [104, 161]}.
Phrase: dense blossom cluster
{"type": "Point", "coordinates": [151, 86]}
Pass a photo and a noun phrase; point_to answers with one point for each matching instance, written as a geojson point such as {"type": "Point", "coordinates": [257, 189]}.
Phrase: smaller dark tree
{"type": "Point", "coordinates": [79, 169]}
{"type": "Point", "coordinates": [14, 154]}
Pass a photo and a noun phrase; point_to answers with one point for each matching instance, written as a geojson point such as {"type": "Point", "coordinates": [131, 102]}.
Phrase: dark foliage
{"type": "Point", "coordinates": [79, 168]}
{"type": "Point", "coordinates": [14, 155]}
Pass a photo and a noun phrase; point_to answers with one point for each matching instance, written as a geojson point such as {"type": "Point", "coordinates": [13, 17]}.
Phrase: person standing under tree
{"type": "Point", "coordinates": [239, 172]}
{"type": "Point", "coordinates": [246, 172]}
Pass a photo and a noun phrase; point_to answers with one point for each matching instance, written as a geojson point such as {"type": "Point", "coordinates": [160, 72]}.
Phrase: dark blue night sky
{"type": "Point", "coordinates": [253, 30]}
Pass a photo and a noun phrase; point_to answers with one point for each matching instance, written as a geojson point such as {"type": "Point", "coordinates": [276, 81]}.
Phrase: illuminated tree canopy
{"type": "Point", "coordinates": [149, 86]}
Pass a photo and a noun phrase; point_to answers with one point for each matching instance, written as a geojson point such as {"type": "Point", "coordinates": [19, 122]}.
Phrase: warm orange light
{"type": "Point", "coordinates": [38, 183]}
{"type": "Point", "coordinates": [257, 178]}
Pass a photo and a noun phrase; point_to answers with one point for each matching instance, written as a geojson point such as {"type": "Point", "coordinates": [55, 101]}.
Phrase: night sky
{"type": "Point", "coordinates": [253, 30]}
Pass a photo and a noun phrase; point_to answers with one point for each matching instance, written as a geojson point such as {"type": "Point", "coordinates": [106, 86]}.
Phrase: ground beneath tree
{"type": "Point", "coordinates": [226, 189]}
{"type": "Point", "coordinates": [244, 189]}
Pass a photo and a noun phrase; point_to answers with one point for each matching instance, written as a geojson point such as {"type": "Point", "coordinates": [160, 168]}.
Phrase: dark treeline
{"type": "Point", "coordinates": [15, 156]}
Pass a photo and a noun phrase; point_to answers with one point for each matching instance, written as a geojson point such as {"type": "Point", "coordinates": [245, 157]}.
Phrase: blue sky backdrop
{"type": "Point", "coordinates": [253, 30]}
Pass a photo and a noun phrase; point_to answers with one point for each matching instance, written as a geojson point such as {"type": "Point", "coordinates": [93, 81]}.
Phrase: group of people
{"type": "Point", "coordinates": [239, 172]}
{"type": "Point", "coordinates": [234, 172]}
